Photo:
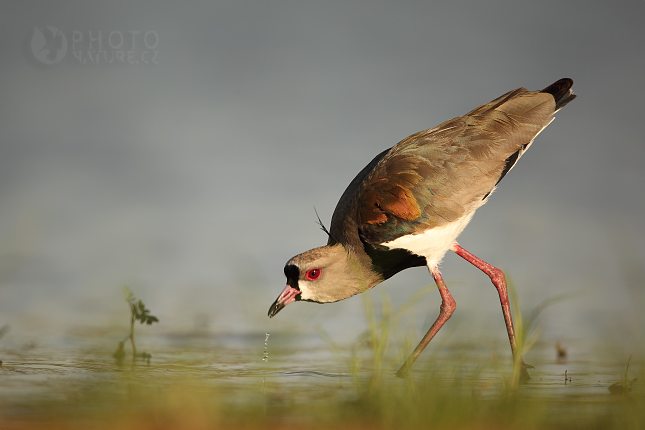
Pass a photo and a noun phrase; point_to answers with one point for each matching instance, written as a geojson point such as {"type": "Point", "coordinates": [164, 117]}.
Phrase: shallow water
{"type": "Point", "coordinates": [74, 379]}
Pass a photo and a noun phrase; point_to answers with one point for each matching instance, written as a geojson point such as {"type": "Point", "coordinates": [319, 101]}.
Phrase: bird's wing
{"type": "Point", "coordinates": [438, 175]}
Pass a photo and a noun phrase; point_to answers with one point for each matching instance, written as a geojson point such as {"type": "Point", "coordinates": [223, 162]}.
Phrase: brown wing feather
{"type": "Point", "coordinates": [392, 188]}
{"type": "Point", "coordinates": [391, 192]}
{"type": "Point", "coordinates": [435, 176]}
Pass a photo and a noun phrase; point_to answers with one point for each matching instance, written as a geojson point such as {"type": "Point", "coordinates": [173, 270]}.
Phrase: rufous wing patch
{"type": "Point", "coordinates": [399, 201]}
{"type": "Point", "coordinates": [390, 192]}
{"type": "Point", "coordinates": [371, 211]}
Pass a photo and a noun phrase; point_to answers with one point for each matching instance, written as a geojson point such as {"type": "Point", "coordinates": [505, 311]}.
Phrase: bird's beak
{"type": "Point", "coordinates": [287, 296]}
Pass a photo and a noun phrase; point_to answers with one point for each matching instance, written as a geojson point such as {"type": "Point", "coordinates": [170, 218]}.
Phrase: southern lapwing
{"type": "Point", "coordinates": [409, 204]}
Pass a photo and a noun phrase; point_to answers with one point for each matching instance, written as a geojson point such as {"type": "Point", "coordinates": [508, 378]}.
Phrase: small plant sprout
{"type": "Point", "coordinates": [138, 312]}
{"type": "Point", "coordinates": [527, 330]}
{"type": "Point", "coordinates": [624, 387]}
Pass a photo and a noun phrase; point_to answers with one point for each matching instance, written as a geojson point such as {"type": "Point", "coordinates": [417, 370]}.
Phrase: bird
{"type": "Point", "coordinates": [407, 207]}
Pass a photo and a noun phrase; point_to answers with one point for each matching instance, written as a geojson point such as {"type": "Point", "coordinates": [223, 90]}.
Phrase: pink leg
{"type": "Point", "coordinates": [447, 308]}
{"type": "Point", "coordinates": [499, 281]}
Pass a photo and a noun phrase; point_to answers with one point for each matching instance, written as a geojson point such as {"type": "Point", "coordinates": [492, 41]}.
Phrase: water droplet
{"type": "Point", "coordinates": [266, 348]}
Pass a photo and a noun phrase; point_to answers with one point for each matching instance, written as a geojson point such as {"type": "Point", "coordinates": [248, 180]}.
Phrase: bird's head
{"type": "Point", "coordinates": [324, 275]}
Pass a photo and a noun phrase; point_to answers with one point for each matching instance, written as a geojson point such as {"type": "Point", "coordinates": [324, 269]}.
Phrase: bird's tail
{"type": "Point", "coordinates": [561, 92]}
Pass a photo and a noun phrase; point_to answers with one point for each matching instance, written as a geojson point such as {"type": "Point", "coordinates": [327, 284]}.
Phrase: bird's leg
{"type": "Point", "coordinates": [447, 308]}
{"type": "Point", "coordinates": [499, 281]}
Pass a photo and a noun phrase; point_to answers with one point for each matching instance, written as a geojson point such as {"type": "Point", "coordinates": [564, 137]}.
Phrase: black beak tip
{"type": "Point", "coordinates": [275, 308]}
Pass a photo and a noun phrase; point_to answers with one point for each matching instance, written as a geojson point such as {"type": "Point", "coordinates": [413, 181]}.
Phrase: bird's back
{"type": "Point", "coordinates": [440, 175]}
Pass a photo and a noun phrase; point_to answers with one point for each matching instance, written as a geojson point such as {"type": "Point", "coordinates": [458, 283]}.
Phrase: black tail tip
{"type": "Point", "coordinates": [561, 92]}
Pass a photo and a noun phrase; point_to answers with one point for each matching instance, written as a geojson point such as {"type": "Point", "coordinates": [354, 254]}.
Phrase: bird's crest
{"type": "Point", "coordinates": [320, 223]}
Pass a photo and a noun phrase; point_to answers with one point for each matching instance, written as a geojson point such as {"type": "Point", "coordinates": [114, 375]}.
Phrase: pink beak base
{"type": "Point", "coordinates": [287, 296]}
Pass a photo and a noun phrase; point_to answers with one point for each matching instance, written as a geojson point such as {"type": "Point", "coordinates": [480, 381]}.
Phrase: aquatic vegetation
{"type": "Point", "coordinates": [624, 387]}
{"type": "Point", "coordinates": [138, 312]}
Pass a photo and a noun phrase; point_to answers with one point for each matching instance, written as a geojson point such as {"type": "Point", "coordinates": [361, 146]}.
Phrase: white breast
{"type": "Point", "coordinates": [434, 243]}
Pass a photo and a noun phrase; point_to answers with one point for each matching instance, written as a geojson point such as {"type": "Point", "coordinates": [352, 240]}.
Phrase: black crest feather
{"type": "Point", "coordinates": [322, 226]}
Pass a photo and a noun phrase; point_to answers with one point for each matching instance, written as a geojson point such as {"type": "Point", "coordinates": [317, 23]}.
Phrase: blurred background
{"type": "Point", "coordinates": [180, 149]}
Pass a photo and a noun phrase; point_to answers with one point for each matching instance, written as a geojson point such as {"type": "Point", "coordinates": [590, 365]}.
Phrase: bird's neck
{"type": "Point", "coordinates": [359, 266]}
{"type": "Point", "coordinates": [365, 274]}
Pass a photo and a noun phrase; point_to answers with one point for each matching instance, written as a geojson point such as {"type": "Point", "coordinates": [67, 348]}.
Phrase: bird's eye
{"type": "Point", "coordinates": [313, 274]}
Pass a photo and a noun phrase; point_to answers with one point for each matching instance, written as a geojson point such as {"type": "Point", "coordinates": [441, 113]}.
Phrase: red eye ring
{"type": "Point", "coordinates": [312, 274]}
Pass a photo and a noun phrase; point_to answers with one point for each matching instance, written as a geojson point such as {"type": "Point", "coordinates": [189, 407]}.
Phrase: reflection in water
{"type": "Point", "coordinates": [314, 373]}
